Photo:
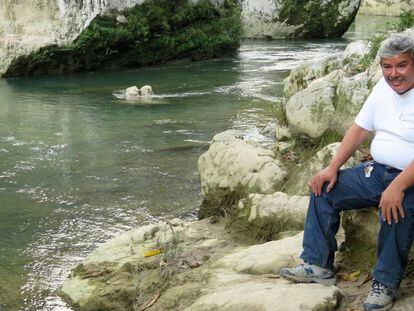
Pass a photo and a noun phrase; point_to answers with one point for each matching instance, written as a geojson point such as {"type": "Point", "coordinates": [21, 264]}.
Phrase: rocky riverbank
{"type": "Point", "coordinates": [252, 215]}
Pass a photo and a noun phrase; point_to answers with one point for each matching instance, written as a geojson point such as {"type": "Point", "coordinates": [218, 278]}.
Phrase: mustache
{"type": "Point", "coordinates": [399, 79]}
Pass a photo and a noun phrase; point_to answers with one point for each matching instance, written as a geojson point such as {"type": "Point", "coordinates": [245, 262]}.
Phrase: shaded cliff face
{"type": "Point", "coordinates": [273, 19]}
{"type": "Point", "coordinates": [385, 7]}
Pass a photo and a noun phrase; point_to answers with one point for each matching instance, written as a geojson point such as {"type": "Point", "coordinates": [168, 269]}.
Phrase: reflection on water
{"type": "Point", "coordinates": [78, 165]}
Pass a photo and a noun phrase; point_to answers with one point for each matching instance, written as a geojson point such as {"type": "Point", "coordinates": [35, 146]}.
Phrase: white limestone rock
{"type": "Point", "coordinates": [107, 278]}
{"type": "Point", "coordinates": [276, 131]}
{"type": "Point", "coordinates": [267, 258]}
{"type": "Point", "coordinates": [332, 101]}
{"type": "Point", "coordinates": [351, 95]}
{"type": "Point", "coordinates": [354, 53]}
{"type": "Point", "coordinates": [234, 277]}
{"type": "Point", "coordinates": [121, 248]}
{"type": "Point", "coordinates": [269, 295]}
{"type": "Point", "coordinates": [227, 136]}
{"type": "Point", "coordinates": [79, 290]}
{"type": "Point", "coordinates": [278, 208]}
{"type": "Point", "coordinates": [239, 281]}
{"type": "Point", "coordinates": [146, 90]}
{"type": "Point", "coordinates": [282, 146]}
{"type": "Point", "coordinates": [132, 92]}
{"type": "Point", "coordinates": [310, 111]}
{"type": "Point", "coordinates": [234, 162]}
{"type": "Point", "coordinates": [299, 179]}
{"type": "Point", "coordinates": [259, 17]}
{"type": "Point", "coordinates": [356, 49]}
{"type": "Point", "coordinates": [304, 74]}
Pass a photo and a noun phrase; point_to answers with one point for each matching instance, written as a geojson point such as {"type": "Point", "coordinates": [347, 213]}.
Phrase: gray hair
{"type": "Point", "coordinates": [396, 44]}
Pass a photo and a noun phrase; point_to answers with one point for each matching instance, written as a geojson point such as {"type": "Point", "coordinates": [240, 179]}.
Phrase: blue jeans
{"type": "Point", "coordinates": [354, 191]}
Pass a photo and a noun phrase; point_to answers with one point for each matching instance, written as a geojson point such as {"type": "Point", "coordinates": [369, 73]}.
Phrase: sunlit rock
{"type": "Point", "coordinates": [301, 76]}
{"type": "Point", "coordinates": [146, 90]}
{"type": "Point", "coordinates": [127, 272]}
{"type": "Point", "coordinates": [351, 95]}
{"type": "Point", "coordinates": [279, 210]}
{"type": "Point", "coordinates": [227, 136]}
{"type": "Point", "coordinates": [354, 55]}
{"type": "Point", "coordinates": [310, 111]}
{"type": "Point", "coordinates": [233, 163]}
{"type": "Point", "coordinates": [132, 92]}
{"type": "Point", "coordinates": [123, 273]}
{"type": "Point", "coordinates": [276, 131]}
{"type": "Point", "coordinates": [268, 295]}
{"type": "Point", "coordinates": [265, 258]}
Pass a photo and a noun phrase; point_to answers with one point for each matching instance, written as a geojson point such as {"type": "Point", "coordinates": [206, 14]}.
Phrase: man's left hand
{"type": "Point", "coordinates": [391, 204]}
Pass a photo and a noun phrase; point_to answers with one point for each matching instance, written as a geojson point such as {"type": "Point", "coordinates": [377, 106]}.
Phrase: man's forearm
{"type": "Point", "coordinates": [355, 136]}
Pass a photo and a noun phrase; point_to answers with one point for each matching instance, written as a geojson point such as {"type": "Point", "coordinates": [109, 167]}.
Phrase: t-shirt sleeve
{"type": "Point", "coordinates": [365, 117]}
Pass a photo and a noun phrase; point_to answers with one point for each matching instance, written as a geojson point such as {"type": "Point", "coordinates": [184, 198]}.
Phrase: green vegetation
{"type": "Point", "coordinates": [375, 42]}
{"type": "Point", "coordinates": [221, 203]}
{"type": "Point", "coordinates": [261, 230]}
{"type": "Point", "coordinates": [302, 148]}
{"type": "Point", "coordinates": [406, 21]}
{"type": "Point", "coordinates": [154, 32]}
{"type": "Point", "coordinates": [279, 109]}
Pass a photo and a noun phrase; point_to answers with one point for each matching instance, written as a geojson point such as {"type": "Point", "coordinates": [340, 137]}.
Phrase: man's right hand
{"type": "Point", "coordinates": [328, 174]}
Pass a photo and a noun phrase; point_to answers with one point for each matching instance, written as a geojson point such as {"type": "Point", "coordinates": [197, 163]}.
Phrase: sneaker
{"type": "Point", "coordinates": [380, 298]}
{"type": "Point", "coordinates": [307, 273]}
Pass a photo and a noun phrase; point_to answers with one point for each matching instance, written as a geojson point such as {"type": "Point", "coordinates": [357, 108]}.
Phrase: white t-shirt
{"type": "Point", "coordinates": [391, 116]}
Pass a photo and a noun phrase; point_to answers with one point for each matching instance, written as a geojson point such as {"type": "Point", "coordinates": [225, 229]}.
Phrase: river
{"type": "Point", "coordinates": [78, 166]}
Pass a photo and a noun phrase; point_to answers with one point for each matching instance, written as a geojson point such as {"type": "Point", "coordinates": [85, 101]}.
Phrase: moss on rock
{"type": "Point", "coordinates": [154, 32]}
{"type": "Point", "coordinates": [361, 229]}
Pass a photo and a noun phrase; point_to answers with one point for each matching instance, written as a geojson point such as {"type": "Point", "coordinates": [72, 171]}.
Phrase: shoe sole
{"type": "Point", "coordinates": [324, 282]}
{"type": "Point", "coordinates": [384, 308]}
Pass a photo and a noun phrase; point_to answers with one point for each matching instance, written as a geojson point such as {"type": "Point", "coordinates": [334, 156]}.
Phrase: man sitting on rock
{"type": "Point", "coordinates": [387, 182]}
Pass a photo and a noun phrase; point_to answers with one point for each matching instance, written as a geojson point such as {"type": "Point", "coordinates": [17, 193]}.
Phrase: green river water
{"type": "Point", "coordinates": [78, 166]}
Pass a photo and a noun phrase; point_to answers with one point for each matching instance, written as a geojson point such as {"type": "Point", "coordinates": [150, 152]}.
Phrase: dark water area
{"type": "Point", "coordinates": [78, 166]}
